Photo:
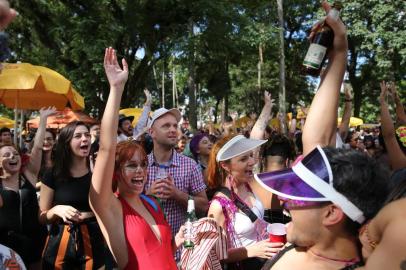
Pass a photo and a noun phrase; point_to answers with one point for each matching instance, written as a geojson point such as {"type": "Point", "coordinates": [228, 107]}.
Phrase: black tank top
{"type": "Point", "coordinates": [11, 219]}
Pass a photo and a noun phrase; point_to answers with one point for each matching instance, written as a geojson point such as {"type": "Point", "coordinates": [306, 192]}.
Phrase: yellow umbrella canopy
{"type": "Point", "coordinates": [354, 121]}
{"type": "Point", "coordinates": [25, 86]}
{"type": "Point", "coordinates": [135, 112]}
{"type": "Point", "coordinates": [243, 121]}
{"type": "Point", "coordinates": [5, 122]}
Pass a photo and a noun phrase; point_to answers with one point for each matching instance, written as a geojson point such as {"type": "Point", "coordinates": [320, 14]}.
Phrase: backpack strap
{"type": "Point", "coordinates": [240, 204]}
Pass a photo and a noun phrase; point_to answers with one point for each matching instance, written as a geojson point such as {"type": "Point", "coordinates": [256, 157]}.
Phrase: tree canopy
{"type": "Point", "coordinates": [218, 42]}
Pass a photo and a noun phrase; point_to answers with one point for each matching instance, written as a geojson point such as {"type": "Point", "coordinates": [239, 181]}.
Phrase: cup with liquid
{"type": "Point", "coordinates": [277, 233]}
{"type": "Point", "coordinates": [161, 175]}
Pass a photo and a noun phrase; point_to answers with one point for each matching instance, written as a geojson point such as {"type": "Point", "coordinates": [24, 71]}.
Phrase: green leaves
{"type": "Point", "coordinates": [70, 37]}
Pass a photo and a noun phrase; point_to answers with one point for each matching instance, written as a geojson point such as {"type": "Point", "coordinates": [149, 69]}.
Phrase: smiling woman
{"type": "Point", "coordinates": [133, 224]}
{"type": "Point", "coordinates": [74, 233]}
{"type": "Point", "coordinates": [19, 226]}
{"type": "Point", "coordinates": [235, 207]}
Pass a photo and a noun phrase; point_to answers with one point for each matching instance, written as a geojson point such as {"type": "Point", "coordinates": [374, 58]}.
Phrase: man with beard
{"type": "Point", "coordinates": [183, 175]}
{"type": "Point", "coordinates": [125, 127]}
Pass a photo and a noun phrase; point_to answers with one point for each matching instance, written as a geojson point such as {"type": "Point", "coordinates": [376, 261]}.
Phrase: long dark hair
{"type": "Point", "coordinates": [63, 152]}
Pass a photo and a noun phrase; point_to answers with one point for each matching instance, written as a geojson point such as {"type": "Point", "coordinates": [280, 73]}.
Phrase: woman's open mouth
{"type": "Point", "coordinates": [137, 181]}
{"type": "Point", "coordinates": [249, 173]}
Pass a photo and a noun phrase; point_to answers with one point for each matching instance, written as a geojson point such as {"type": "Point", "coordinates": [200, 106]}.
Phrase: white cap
{"type": "Point", "coordinates": [161, 111]}
{"type": "Point", "coordinates": [236, 146]}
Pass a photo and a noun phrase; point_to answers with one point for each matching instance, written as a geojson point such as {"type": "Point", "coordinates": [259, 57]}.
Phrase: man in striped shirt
{"type": "Point", "coordinates": [184, 177]}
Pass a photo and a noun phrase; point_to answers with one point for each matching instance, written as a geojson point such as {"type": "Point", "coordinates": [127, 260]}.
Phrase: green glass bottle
{"type": "Point", "coordinates": [190, 218]}
{"type": "Point", "coordinates": [322, 41]}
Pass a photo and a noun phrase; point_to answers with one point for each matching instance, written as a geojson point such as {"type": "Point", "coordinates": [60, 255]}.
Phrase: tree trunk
{"type": "Point", "coordinates": [191, 80]}
{"type": "Point", "coordinates": [216, 109]}
{"type": "Point", "coordinates": [174, 91]}
{"type": "Point", "coordinates": [355, 82]}
{"type": "Point", "coordinates": [282, 94]}
{"type": "Point", "coordinates": [163, 85]}
{"type": "Point", "coordinates": [224, 108]}
{"type": "Point", "coordinates": [260, 62]}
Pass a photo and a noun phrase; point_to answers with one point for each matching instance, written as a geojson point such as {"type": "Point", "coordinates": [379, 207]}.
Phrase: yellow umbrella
{"type": "Point", "coordinates": [5, 122]}
{"type": "Point", "coordinates": [244, 121]}
{"type": "Point", "coordinates": [135, 112]}
{"type": "Point", "coordinates": [354, 121]}
{"type": "Point", "coordinates": [25, 86]}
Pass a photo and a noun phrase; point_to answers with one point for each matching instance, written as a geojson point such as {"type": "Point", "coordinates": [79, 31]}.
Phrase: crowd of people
{"type": "Point", "coordinates": [114, 196]}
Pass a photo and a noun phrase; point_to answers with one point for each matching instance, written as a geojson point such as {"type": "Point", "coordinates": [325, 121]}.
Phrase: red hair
{"type": "Point", "coordinates": [216, 175]}
{"type": "Point", "coordinates": [124, 152]}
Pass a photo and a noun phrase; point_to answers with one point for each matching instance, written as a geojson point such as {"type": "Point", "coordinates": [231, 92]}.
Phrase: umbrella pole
{"type": "Point", "coordinates": [21, 129]}
{"type": "Point", "coordinates": [15, 126]}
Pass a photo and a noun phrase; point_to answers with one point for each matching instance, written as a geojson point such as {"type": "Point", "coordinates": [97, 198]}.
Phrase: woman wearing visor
{"type": "Point", "coordinates": [234, 205]}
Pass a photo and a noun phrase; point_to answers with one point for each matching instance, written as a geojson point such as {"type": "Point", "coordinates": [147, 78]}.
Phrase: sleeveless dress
{"type": "Point", "coordinates": [145, 251]}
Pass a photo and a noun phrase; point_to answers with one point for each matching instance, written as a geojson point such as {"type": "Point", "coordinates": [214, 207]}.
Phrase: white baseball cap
{"type": "Point", "coordinates": [162, 111]}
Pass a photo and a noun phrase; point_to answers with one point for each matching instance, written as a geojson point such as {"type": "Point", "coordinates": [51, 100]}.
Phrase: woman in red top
{"type": "Point", "coordinates": [132, 223]}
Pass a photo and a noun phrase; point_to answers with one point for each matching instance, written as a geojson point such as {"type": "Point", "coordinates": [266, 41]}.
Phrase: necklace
{"type": "Point", "coordinates": [346, 262]}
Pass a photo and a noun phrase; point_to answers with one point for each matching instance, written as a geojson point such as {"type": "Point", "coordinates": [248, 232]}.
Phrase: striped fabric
{"type": "Point", "coordinates": [210, 247]}
{"type": "Point", "coordinates": [76, 246]}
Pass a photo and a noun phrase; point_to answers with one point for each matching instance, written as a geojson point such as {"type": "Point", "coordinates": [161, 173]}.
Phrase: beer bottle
{"type": "Point", "coordinates": [322, 41]}
{"type": "Point", "coordinates": [191, 217]}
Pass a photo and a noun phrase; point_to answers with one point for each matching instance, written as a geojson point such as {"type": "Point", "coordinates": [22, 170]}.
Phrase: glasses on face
{"type": "Point", "coordinates": [133, 167]}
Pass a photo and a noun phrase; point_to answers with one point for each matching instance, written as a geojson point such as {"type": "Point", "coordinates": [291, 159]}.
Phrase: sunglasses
{"type": "Point", "coordinates": [296, 204]}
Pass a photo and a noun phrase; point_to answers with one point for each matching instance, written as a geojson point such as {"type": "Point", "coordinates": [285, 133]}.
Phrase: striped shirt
{"type": "Point", "coordinates": [210, 246]}
{"type": "Point", "coordinates": [187, 178]}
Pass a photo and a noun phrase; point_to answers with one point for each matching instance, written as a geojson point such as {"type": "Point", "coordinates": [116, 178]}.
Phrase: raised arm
{"type": "Point", "coordinates": [293, 123]}
{"type": "Point", "coordinates": [258, 130]}
{"type": "Point", "coordinates": [400, 111]}
{"type": "Point", "coordinates": [396, 157]}
{"type": "Point", "coordinates": [101, 196]}
{"type": "Point", "coordinates": [345, 120]}
{"type": "Point", "coordinates": [34, 165]}
{"type": "Point", "coordinates": [142, 122]}
{"type": "Point", "coordinates": [321, 121]}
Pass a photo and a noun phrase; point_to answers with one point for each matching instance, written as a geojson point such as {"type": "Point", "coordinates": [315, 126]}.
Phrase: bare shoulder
{"type": "Point", "coordinates": [293, 259]}
{"type": "Point", "coordinates": [391, 213]}
{"type": "Point", "coordinates": [215, 207]}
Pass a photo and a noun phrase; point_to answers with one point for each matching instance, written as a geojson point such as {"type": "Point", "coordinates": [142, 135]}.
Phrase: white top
{"type": "Point", "coordinates": [246, 230]}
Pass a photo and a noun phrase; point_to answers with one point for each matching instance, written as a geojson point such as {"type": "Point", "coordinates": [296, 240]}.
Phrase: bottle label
{"type": "Point", "coordinates": [315, 56]}
{"type": "Point", "coordinates": [188, 233]}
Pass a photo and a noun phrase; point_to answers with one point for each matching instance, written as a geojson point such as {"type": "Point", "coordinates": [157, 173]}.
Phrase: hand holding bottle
{"type": "Point", "coordinates": [328, 34]}
{"type": "Point", "coordinates": [340, 43]}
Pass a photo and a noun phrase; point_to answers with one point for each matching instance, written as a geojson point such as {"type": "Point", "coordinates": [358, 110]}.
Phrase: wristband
{"type": "Point", "coordinates": [347, 100]}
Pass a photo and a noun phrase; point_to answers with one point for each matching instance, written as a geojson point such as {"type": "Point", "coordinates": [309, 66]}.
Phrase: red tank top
{"type": "Point", "coordinates": [144, 249]}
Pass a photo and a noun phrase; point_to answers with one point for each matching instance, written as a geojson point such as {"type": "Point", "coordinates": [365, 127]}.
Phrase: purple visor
{"type": "Point", "coordinates": [287, 184]}
{"type": "Point", "coordinates": [309, 180]}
